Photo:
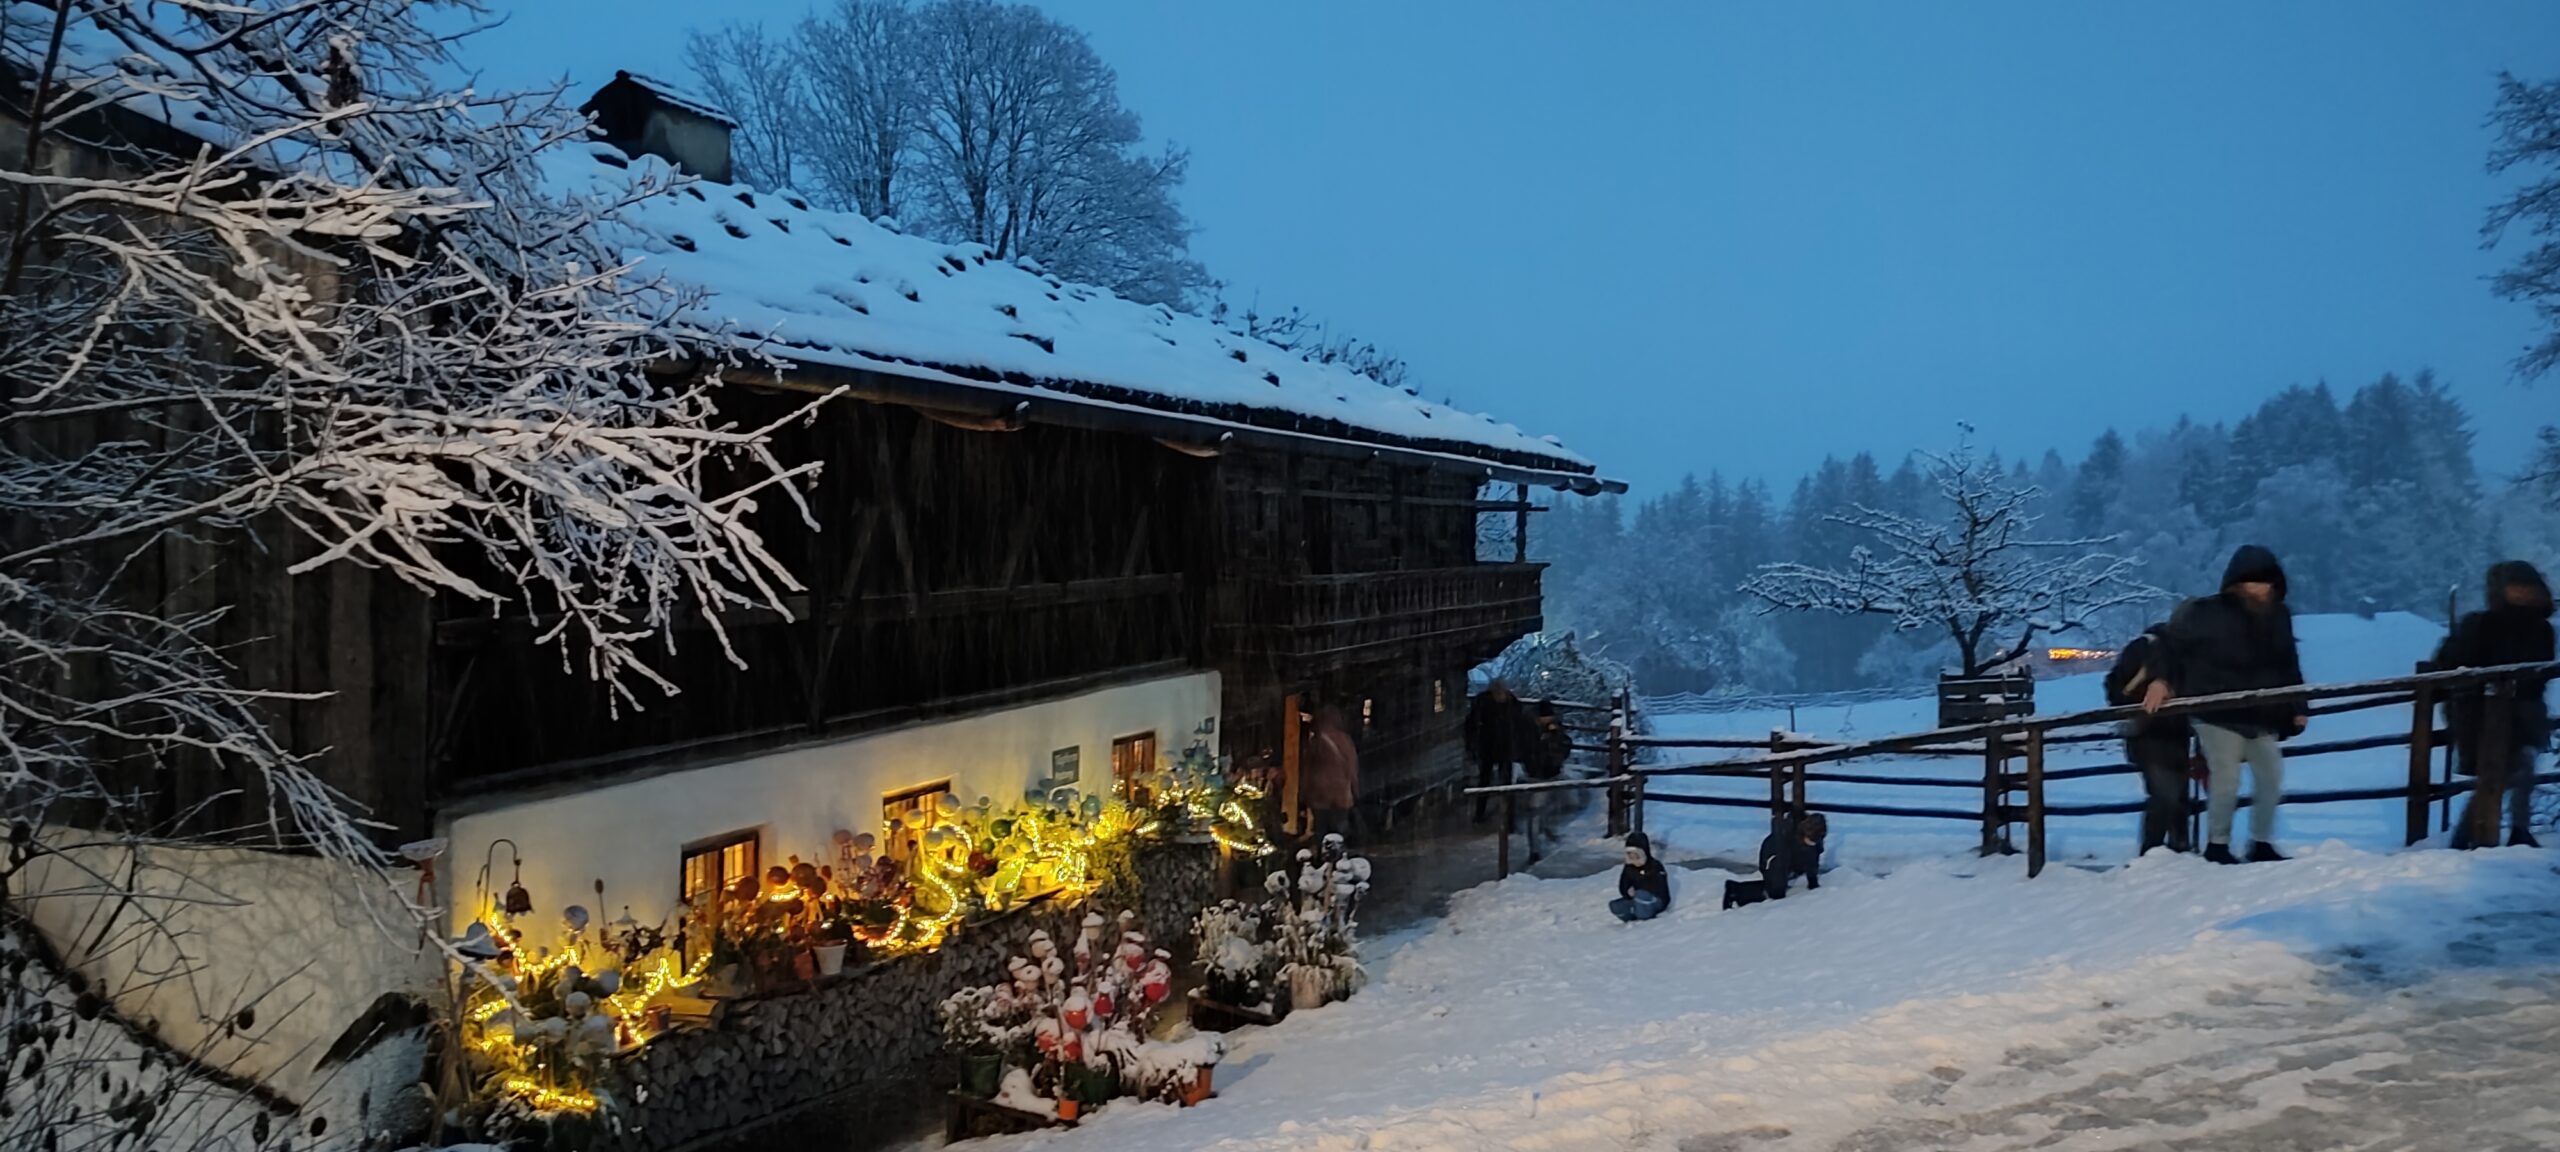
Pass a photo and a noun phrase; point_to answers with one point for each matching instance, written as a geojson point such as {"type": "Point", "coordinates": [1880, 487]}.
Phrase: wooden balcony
{"type": "Point", "coordinates": [1317, 622]}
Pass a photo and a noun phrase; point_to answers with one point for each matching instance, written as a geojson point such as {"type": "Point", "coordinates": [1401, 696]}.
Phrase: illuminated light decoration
{"type": "Point", "coordinates": [548, 1099]}
{"type": "Point", "coordinates": [2078, 655]}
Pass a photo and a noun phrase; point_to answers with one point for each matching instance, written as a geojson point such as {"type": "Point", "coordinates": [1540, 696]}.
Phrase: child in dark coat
{"type": "Point", "coordinates": [1644, 889]}
{"type": "Point", "coordinates": [2157, 745]}
{"type": "Point", "coordinates": [1792, 849]}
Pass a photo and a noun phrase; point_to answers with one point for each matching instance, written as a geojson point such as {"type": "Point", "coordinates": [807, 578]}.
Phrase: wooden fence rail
{"type": "Point", "coordinates": [1788, 761]}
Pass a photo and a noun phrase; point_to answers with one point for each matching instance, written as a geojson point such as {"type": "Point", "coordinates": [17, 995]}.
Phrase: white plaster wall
{"type": "Point", "coordinates": [632, 834]}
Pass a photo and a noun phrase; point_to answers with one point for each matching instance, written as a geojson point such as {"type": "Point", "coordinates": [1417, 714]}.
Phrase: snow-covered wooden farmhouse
{"type": "Point", "coordinates": [1062, 533]}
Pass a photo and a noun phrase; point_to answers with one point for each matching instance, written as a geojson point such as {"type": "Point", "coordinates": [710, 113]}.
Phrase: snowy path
{"type": "Point", "coordinates": [2348, 999]}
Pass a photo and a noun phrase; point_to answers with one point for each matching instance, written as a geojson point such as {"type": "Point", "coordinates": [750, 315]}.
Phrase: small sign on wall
{"type": "Point", "coordinates": [1066, 766]}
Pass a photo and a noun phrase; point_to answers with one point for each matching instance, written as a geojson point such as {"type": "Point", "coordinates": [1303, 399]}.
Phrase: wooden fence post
{"type": "Point", "coordinates": [2493, 767]}
{"type": "Point", "coordinates": [1635, 804]}
{"type": "Point", "coordinates": [1502, 851]}
{"type": "Point", "coordinates": [2035, 802]}
{"type": "Point", "coordinates": [2422, 735]}
{"type": "Point", "coordinates": [1797, 808]}
{"type": "Point", "coordinates": [1777, 776]}
{"type": "Point", "coordinates": [1995, 794]}
{"type": "Point", "coordinates": [1616, 766]}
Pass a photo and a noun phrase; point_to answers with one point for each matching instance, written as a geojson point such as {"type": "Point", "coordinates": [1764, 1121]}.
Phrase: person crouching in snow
{"type": "Point", "coordinates": [1644, 889]}
{"type": "Point", "coordinates": [2515, 628]}
{"type": "Point", "coordinates": [1794, 848]}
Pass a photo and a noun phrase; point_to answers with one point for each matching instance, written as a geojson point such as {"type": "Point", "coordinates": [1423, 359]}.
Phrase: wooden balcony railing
{"type": "Point", "coordinates": [1317, 620]}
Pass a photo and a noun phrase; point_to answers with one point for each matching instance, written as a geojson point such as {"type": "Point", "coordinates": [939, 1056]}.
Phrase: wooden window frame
{"type": "Point", "coordinates": [896, 848]}
{"type": "Point", "coordinates": [717, 848]}
{"type": "Point", "coordinates": [1124, 782]}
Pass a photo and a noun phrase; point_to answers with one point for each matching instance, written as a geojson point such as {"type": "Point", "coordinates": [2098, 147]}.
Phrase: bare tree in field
{"type": "Point", "coordinates": [1977, 574]}
{"type": "Point", "coordinates": [971, 121]}
{"type": "Point", "coordinates": [347, 307]}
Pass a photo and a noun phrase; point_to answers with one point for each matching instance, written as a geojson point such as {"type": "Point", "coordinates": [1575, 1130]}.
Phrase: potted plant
{"type": "Point", "coordinates": [971, 1029]}
{"type": "Point", "coordinates": [832, 939]}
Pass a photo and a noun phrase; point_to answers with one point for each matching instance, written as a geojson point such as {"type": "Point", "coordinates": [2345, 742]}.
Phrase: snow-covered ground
{"type": "Point", "coordinates": [2345, 999]}
{"type": "Point", "coordinates": [2334, 649]}
{"type": "Point", "coordinates": [2359, 996]}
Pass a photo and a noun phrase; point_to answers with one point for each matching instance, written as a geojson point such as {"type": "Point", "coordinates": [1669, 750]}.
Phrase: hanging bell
{"type": "Point", "coordinates": [519, 901]}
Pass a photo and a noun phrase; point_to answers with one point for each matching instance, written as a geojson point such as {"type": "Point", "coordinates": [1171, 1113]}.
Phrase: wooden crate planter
{"type": "Point", "coordinates": [1210, 1015]}
{"type": "Point", "coordinates": [967, 1117]}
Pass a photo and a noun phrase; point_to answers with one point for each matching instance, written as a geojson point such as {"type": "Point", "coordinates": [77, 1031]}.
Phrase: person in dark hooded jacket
{"type": "Point", "coordinates": [1793, 848]}
{"type": "Point", "coordinates": [2515, 628]}
{"type": "Point", "coordinates": [2156, 745]}
{"type": "Point", "coordinates": [2237, 640]}
{"type": "Point", "coordinates": [1644, 889]}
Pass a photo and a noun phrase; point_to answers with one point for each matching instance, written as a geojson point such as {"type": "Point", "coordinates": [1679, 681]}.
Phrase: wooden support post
{"type": "Point", "coordinates": [1777, 776]}
{"type": "Point", "coordinates": [1995, 795]}
{"type": "Point", "coordinates": [1520, 526]}
{"type": "Point", "coordinates": [1796, 809]}
{"type": "Point", "coordinates": [2035, 801]}
{"type": "Point", "coordinates": [2422, 734]}
{"type": "Point", "coordinates": [1619, 819]}
{"type": "Point", "coordinates": [1289, 764]}
{"type": "Point", "coordinates": [1502, 851]}
{"type": "Point", "coordinates": [2484, 817]}
{"type": "Point", "coordinates": [1635, 804]}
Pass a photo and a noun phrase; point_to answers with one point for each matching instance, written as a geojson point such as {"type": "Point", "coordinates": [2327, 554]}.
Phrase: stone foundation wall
{"type": "Point", "coordinates": [768, 1057]}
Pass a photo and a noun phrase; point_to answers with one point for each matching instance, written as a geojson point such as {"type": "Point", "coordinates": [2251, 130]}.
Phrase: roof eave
{"type": "Point", "coordinates": [1005, 404]}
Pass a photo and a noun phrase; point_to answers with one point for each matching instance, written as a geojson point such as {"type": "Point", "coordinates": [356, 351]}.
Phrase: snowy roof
{"type": "Point", "coordinates": [817, 287]}
{"type": "Point", "coordinates": [679, 96]}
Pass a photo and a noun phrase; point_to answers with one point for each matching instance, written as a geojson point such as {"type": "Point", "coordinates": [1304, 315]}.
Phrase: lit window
{"type": "Point", "coordinates": [1439, 696]}
{"type": "Point", "coordinates": [715, 864]}
{"type": "Point", "coordinates": [1368, 712]}
{"type": "Point", "coordinates": [904, 816]}
{"type": "Point", "coordinates": [1131, 758]}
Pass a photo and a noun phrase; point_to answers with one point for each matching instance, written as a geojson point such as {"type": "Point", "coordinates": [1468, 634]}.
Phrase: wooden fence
{"type": "Point", "coordinates": [2011, 787]}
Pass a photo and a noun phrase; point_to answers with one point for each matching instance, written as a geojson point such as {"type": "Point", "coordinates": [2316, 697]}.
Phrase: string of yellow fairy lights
{"type": "Point", "coordinates": [1062, 848]}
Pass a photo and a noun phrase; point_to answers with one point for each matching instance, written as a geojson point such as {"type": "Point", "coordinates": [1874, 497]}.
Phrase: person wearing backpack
{"type": "Point", "coordinates": [2514, 628]}
{"type": "Point", "coordinates": [1550, 746]}
{"type": "Point", "coordinates": [2155, 745]}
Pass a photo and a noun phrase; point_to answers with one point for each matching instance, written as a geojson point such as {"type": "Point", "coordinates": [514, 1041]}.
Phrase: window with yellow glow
{"type": "Point", "coordinates": [715, 864]}
{"type": "Point", "coordinates": [1131, 757]}
{"type": "Point", "coordinates": [906, 815]}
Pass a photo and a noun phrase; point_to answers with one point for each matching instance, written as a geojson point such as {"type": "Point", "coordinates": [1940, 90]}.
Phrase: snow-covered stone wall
{"type": "Point", "coordinates": [632, 834]}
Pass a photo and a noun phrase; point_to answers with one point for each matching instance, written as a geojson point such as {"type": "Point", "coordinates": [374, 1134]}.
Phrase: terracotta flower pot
{"type": "Point", "coordinates": [804, 966]}
{"type": "Point", "coordinates": [1068, 1108]}
{"type": "Point", "coordinates": [1198, 1089]}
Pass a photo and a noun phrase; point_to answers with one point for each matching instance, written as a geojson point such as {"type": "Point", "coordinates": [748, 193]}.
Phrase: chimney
{"type": "Point", "coordinates": [645, 116]}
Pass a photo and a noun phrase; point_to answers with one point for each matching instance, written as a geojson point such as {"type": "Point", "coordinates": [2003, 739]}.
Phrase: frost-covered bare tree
{"type": "Point", "coordinates": [863, 105]}
{"type": "Point", "coordinates": [1977, 574]}
{"type": "Point", "coordinates": [2527, 120]}
{"type": "Point", "coordinates": [753, 76]}
{"type": "Point", "coordinates": [267, 282]}
{"type": "Point", "coordinates": [971, 121]}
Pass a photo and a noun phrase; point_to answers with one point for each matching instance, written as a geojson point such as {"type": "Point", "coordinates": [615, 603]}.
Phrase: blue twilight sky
{"type": "Point", "coordinates": [1686, 236]}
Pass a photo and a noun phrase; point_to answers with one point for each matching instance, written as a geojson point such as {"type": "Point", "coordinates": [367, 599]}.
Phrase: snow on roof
{"type": "Point", "coordinates": [832, 288]}
{"type": "Point", "coordinates": [679, 96]}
